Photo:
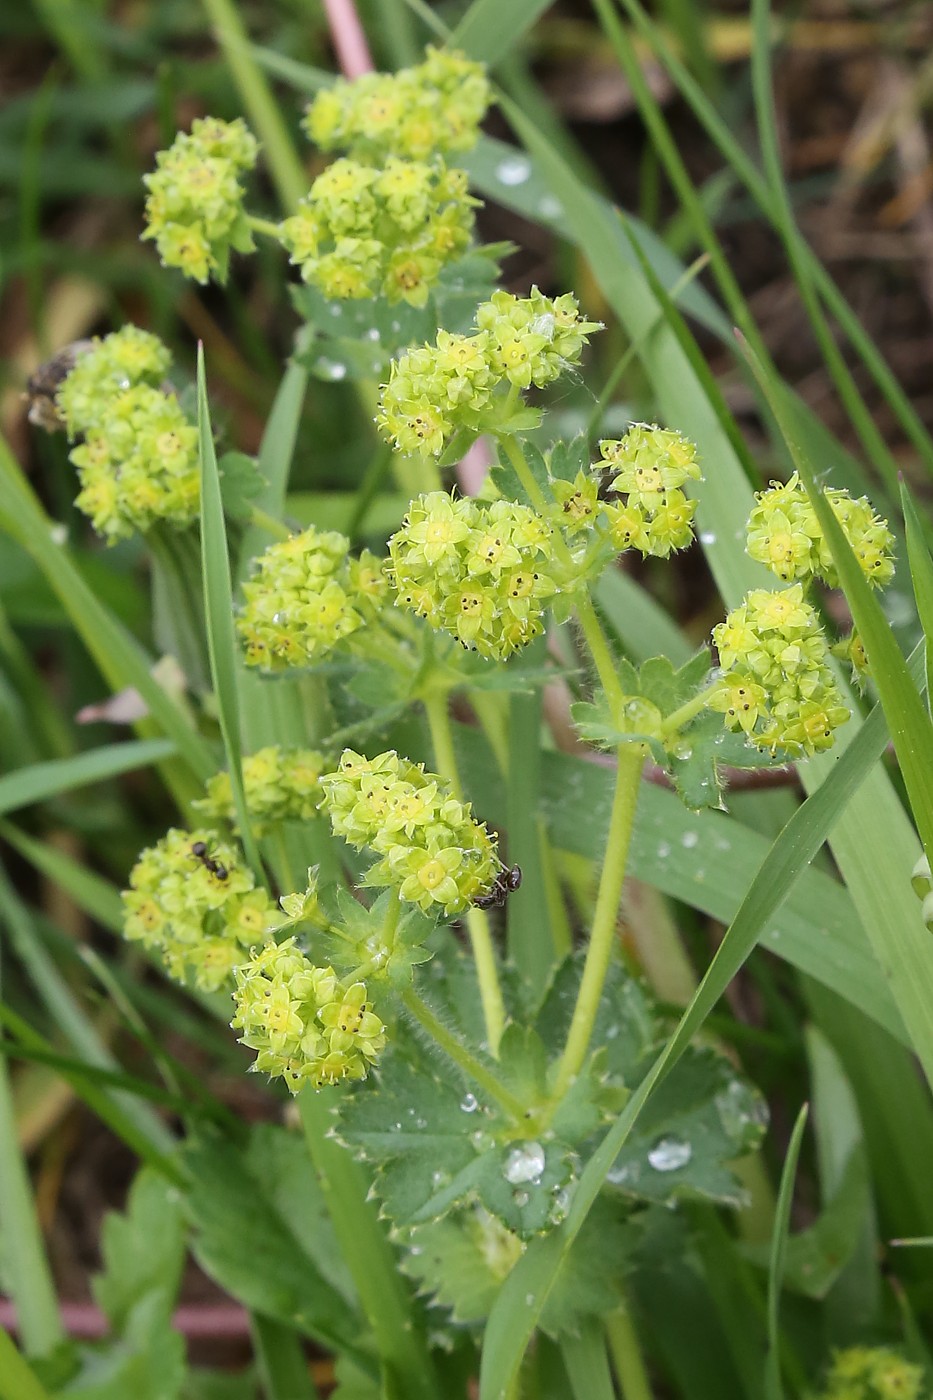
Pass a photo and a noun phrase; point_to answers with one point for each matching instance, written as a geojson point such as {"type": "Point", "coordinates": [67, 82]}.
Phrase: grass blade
{"type": "Point", "coordinates": [18, 1381]}
{"type": "Point", "coordinates": [587, 1363]}
{"type": "Point", "coordinates": [490, 29]}
{"type": "Point", "coordinates": [774, 1389]}
{"type": "Point", "coordinates": [921, 573]}
{"type": "Point", "coordinates": [218, 612]}
{"type": "Point", "coordinates": [117, 654]}
{"type": "Point", "coordinates": [90, 892]}
{"type": "Point", "coordinates": [281, 1361]}
{"type": "Point", "coordinates": [42, 780]}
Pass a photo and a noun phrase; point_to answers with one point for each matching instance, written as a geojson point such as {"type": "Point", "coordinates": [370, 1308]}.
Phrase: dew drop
{"type": "Point", "coordinates": [374, 333]}
{"type": "Point", "coordinates": [550, 207]}
{"type": "Point", "coordinates": [469, 1103]}
{"type": "Point", "coordinates": [59, 534]}
{"type": "Point", "coordinates": [514, 170]}
{"type": "Point", "coordinates": [707, 537]}
{"type": "Point", "coordinates": [439, 1178]}
{"type": "Point", "coordinates": [525, 1163]}
{"type": "Point", "coordinates": [280, 619]}
{"type": "Point", "coordinates": [520, 1198]}
{"type": "Point", "coordinates": [689, 840]}
{"type": "Point", "coordinates": [664, 851]}
{"type": "Point", "coordinates": [669, 1154]}
{"type": "Point", "coordinates": [332, 370]}
{"type": "Point", "coordinates": [336, 309]}
{"type": "Point", "coordinates": [529, 1300]}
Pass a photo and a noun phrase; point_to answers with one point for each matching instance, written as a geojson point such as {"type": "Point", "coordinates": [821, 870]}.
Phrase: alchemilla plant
{"type": "Point", "coordinates": [439, 1010]}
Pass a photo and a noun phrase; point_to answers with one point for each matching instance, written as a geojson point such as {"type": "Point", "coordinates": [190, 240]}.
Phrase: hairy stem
{"type": "Point", "coordinates": [476, 921]}
{"type": "Point", "coordinates": [629, 760]}
{"type": "Point", "coordinates": [455, 1050]}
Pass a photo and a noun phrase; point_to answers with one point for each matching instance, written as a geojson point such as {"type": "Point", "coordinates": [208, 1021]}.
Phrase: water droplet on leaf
{"type": "Point", "coordinates": [525, 1163]}
{"type": "Point", "coordinates": [669, 1154]}
{"type": "Point", "coordinates": [514, 170]}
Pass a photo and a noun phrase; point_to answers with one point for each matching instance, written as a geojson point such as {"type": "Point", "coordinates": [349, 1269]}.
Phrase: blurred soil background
{"type": "Point", "coordinates": [91, 91]}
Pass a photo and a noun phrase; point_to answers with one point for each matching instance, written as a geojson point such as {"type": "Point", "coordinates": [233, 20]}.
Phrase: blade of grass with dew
{"type": "Point", "coordinates": [524, 1293]}
{"type": "Point", "coordinates": [90, 891]}
{"type": "Point", "coordinates": [72, 1022]}
{"type": "Point", "coordinates": [921, 573]}
{"type": "Point", "coordinates": [26, 1269]}
{"type": "Point", "coordinates": [383, 1293]}
{"type": "Point", "coordinates": [587, 1363]}
{"type": "Point", "coordinates": [774, 1389]}
{"type": "Point", "coordinates": [732, 151]}
{"type": "Point", "coordinates": [40, 781]}
{"type": "Point", "coordinates": [490, 29]}
{"type": "Point", "coordinates": [18, 1381]}
{"type": "Point", "coordinates": [218, 613]}
{"type": "Point", "coordinates": [117, 654]}
{"type": "Point", "coordinates": [904, 949]}
{"type": "Point", "coordinates": [873, 841]}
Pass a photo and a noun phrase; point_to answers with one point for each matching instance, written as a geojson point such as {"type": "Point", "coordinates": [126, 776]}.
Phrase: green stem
{"type": "Point", "coordinates": [455, 1050]}
{"type": "Point", "coordinates": [629, 760]}
{"type": "Point", "coordinates": [262, 520]}
{"type": "Point", "coordinates": [285, 167]}
{"type": "Point", "coordinates": [627, 1360]}
{"type": "Point", "coordinates": [476, 921]}
{"type": "Point", "coordinates": [688, 711]}
{"type": "Point", "coordinates": [266, 226]}
{"type": "Point", "coordinates": [586, 613]}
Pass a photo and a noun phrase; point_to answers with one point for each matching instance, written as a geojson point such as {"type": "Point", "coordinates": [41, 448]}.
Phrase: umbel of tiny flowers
{"type": "Point", "coordinates": [305, 1025]}
{"type": "Point", "coordinates": [194, 211]}
{"type": "Point", "coordinates": [137, 462]}
{"type": "Point", "coordinates": [472, 382]}
{"type": "Point", "coordinates": [785, 534]}
{"type": "Point", "coordinates": [648, 469]}
{"type": "Point", "coordinates": [305, 596]}
{"type": "Point", "coordinates": [776, 684]}
{"type": "Point", "coordinates": [365, 231]}
{"type": "Point", "coordinates": [431, 850]}
{"type": "Point", "coordinates": [281, 785]}
{"type": "Point", "coordinates": [128, 357]}
{"type": "Point", "coordinates": [429, 109]}
{"type": "Point", "coordinates": [873, 1373]}
{"type": "Point", "coordinates": [482, 573]}
{"type": "Point", "coordinates": [193, 901]}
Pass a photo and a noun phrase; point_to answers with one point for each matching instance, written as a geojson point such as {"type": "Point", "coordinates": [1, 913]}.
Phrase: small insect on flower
{"type": "Point", "coordinates": [44, 383]}
{"type": "Point", "coordinates": [508, 880]}
{"type": "Point", "coordinates": [200, 852]}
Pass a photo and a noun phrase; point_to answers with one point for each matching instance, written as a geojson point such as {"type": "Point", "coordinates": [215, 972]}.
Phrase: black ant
{"type": "Point", "coordinates": [199, 851]}
{"type": "Point", "coordinates": [508, 879]}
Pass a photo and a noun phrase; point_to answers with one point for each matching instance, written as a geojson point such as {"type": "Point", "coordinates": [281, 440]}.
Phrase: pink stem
{"type": "Point", "coordinates": [349, 38]}
{"type": "Point", "coordinates": [208, 1320]}
{"type": "Point", "coordinates": [473, 466]}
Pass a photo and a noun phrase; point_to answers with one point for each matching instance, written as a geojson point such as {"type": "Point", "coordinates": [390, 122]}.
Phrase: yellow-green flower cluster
{"type": "Point", "coordinates": [138, 465]}
{"type": "Point", "coordinates": [305, 596]}
{"type": "Point", "coordinates": [128, 357]}
{"type": "Point", "coordinates": [200, 912]}
{"type": "Point", "coordinates": [483, 573]}
{"type": "Point", "coordinates": [280, 785]}
{"type": "Point", "coordinates": [305, 1025]}
{"type": "Point", "coordinates": [873, 1373]}
{"type": "Point", "coordinates": [365, 231]}
{"type": "Point", "coordinates": [430, 848]}
{"type": "Point", "coordinates": [434, 107]}
{"type": "Point", "coordinates": [464, 381]}
{"type": "Point", "coordinates": [776, 685]}
{"type": "Point", "coordinates": [195, 206]}
{"type": "Point", "coordinates": [650, 467]}
{"type": "Point", "coordinates": [784, 534]}
{"type": "Point", "coordinates": [138, 462]}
